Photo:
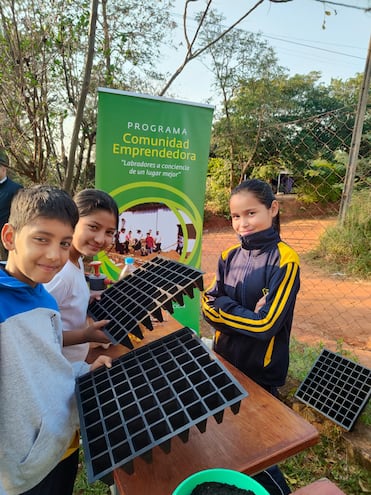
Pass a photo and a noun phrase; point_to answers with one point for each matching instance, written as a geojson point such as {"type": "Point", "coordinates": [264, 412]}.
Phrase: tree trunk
{"type": "Point", "coordinates": [84, 91]}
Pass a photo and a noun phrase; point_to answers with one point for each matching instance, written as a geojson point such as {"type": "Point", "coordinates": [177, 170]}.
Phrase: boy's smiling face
{"type": "Point", "coordinates": [37, 251]}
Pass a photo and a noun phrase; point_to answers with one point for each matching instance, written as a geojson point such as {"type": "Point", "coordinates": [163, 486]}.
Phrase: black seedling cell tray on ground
{"type": "Point", "coordinates": [149, 396]}
{"type": "Point", "coordinates": [336, 387]}
{"type": "Point", "coordinates": [141, 295]}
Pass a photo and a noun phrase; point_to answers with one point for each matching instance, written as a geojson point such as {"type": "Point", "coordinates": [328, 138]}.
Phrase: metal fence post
{"type": "Point", "coordinates": [356, 139]}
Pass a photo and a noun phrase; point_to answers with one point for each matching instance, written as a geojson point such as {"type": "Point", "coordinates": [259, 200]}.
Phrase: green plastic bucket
{"type": "Point", "coordinates": [226, 476]}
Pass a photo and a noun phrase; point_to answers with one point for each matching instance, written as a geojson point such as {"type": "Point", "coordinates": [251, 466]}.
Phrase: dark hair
{"type": "Point", "coordinates": [263, 193]}
{"type": "Point", "coordinates": [4, 160]}
{"type": "Point", "coordinates": [45, 201]}
{"type": "Point", "coordinates": [89, 200]}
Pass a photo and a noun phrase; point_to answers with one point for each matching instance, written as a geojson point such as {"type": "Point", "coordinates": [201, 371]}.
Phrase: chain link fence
{"type": "Point", "coordinates": [311, 159]}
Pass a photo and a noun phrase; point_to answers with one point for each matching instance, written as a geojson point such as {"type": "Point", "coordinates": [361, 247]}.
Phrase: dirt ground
{"type": "Point", "coordinates": [331, 309]}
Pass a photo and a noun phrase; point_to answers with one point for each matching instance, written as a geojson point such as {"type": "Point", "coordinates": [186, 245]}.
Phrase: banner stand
{"type": "Point", "coordinates": [152, 156]}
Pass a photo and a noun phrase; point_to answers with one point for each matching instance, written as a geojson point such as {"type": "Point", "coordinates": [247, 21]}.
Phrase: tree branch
{"type": "Point", "coordinates": [192, 55]}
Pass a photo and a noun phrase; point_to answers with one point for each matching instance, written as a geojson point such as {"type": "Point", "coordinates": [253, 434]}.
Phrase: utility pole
{"type": "Point", "coordinates": [356, 139]}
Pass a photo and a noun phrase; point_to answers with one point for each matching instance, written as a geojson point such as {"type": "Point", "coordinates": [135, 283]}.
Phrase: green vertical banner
{"type": "Point", "coordinates": [152, 156]}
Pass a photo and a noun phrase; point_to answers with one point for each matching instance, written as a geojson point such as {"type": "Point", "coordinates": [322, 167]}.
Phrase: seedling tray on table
{"type": "Point", "coordinates": [133, 300]}
{"type": "Point", "coordinates": [149, 396]}
{"type": "Point", "coordinates": [336, 387]}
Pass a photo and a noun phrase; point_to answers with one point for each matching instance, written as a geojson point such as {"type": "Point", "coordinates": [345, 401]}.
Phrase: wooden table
{"type": "Point", "coordinates": [319, 487]}
{"type": "Point", "coordinates": [263, 433]}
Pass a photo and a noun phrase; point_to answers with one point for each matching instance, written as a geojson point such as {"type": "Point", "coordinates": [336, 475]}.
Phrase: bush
{"type": "Point", "coordinates": [346, 248]}
{"type": "Point", "coordinates": [218, 187]}
{"type": "Point", "coordinates": [322, 182]}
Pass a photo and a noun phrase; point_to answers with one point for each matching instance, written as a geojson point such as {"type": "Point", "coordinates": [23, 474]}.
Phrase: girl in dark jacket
{"type": "Point", "coordinates": [251, 301]}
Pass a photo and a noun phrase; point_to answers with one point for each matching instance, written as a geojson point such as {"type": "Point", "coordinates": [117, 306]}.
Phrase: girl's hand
{"type": "Point", "coordinates": [262, 301]}
{"type": "Point", "coordinates": [101, 361]}
{"type": "Point", "coordinates": [93, 332]}
{"type": "Point", "coordinates": [95, 295]}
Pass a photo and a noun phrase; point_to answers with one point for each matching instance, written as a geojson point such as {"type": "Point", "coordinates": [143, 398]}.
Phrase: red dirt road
{"type": "Point", "coordinates": [331, 309]}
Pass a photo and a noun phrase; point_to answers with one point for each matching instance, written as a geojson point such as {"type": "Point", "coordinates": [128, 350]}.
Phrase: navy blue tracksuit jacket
{"type": "Point", "coordinates": [255, 343]}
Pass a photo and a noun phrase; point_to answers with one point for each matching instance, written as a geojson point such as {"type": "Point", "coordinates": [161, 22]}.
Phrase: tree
{"type": "Point", "coordinates": [48, 78]}
{"type": "Point", "coordinates": [238, 57]}
{"type": "Point", "coordinates": [83, 95]}
{"type": "Point", "coordinates": [193, 48]}
{"type": "Point", "coordinates": [26, 111]}
{"type": "Point", "coordinates": [55, 55]}
{"type": "Point", "coordinates": [217, 186]}
{"type": "Point", "coordinates": [287, 122]}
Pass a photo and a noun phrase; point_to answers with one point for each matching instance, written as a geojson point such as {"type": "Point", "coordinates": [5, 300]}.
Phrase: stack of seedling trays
{"type": "Point", "coordinates": [150, 288]}
{"type": "Point", "coordinates": [336, 387]}
{"type": "Point", "coordinates": [149, 396]}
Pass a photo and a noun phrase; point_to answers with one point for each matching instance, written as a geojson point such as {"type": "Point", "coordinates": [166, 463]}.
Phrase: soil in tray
{"type": "Point", "coordinates": [216, 488]}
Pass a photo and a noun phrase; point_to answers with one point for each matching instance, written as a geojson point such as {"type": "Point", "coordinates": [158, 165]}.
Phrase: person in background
{"type": "Point", "coordinates": [38, 412]}
{"type": "Point", "coordinates": [8, 188]}
{"type": "Point", "coordinates": [128, 242]}
{"type": "Point", "coordinates": [137, 242]}
{"type": "Point", "coordinates": [158, 242]}
{"type": "Point", "coordinates": [150, 243]}
{"type": "Point", "coordinates": [116, 242]}
{"type": "Point", "coordinates": [180, 244]}
{"type": "Point", "coordinates": [250, 303]}
{"type": "Point", "coordinates": [122, 238]}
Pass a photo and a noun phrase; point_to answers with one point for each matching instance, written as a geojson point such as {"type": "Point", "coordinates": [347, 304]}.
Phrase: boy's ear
{"type": "Point", "coordinates": [8, 236]}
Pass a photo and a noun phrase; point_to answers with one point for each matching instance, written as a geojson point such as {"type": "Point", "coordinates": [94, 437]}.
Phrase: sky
{"type": "Point", "coordinates": [304, 38]}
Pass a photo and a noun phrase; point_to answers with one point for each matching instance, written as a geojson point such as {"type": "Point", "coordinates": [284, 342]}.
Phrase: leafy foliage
{"type": "Point", "coordinates": [43, 51]}
{"type": "Point", "coordinates": [346, 248]}
{"type": "Point", "coordinates": [322, 182]}
{"type": "Point", "coordinates": [217, 187]}
{"type": "Point", "coordinates": [296, 124]}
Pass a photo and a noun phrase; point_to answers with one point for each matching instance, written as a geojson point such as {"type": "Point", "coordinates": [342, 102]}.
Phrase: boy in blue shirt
{"type": "Point", "coordinates": [38, 413]}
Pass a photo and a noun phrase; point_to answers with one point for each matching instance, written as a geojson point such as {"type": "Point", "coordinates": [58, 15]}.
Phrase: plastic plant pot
{"type": "Point", "coordinates": [226, 476]}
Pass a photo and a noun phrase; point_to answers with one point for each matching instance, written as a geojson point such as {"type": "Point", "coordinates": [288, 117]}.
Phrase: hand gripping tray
{"type": "Point", "coordinates": [149, 396]}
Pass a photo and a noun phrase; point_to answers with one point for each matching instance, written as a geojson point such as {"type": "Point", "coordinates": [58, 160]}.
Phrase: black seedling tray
{"type": "Point", "coordinates": [336, 387]}
{"type": "Point", "coordinates": [136, 298]}
{"type": "Point", "coordinates": [149, 396]}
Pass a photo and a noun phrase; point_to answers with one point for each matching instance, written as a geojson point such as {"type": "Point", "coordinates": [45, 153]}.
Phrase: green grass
{"type": "Point", "coordinates": [346, 248]}
{"type": "Point", "coordinates": [82, 487]}
{"type": "Point", "coordinates": [329, 458]}
{"type": "Point", "coordinates": [302, 358]}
